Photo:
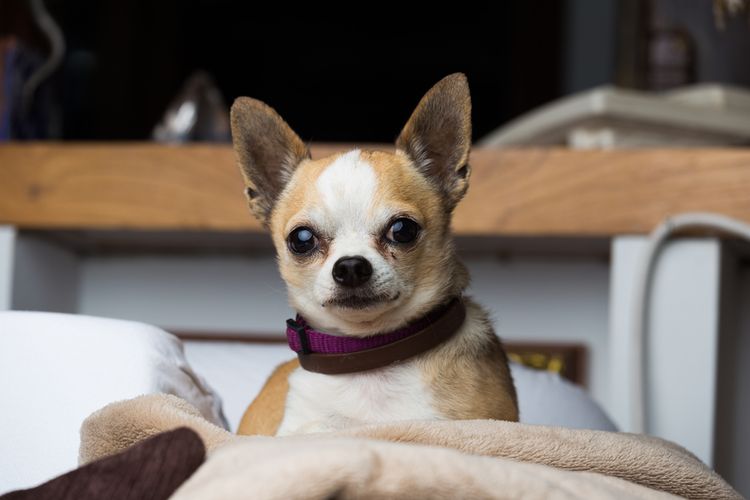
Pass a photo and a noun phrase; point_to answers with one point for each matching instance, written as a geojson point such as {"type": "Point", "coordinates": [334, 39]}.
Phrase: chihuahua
{"type": "Point", "coordinates": [383, 331]}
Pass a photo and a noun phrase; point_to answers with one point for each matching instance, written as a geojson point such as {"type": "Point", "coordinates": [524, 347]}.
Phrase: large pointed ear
{"type": "Point", "coordinates": [437, 137]}
{"type": "Point", "coordinates": [268, 151]}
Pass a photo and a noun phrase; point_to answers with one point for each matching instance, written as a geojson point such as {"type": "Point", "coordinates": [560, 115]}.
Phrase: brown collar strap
{"type": "Point", "coordinates": [426, 333]}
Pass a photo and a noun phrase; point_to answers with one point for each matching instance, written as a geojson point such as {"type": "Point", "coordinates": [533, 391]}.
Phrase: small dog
{"type": "Point", "coordinates": [364, 245]}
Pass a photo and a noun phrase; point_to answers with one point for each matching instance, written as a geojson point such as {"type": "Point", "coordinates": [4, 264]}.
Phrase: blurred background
{"type": "Point", "coordinates": [594, 121]}
{"type": "Point", "coordinates": [116, 67]}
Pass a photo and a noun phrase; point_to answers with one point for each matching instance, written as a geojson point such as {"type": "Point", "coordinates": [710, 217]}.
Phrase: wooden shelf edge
{"type": "Point", "coordinates": [537, 192]}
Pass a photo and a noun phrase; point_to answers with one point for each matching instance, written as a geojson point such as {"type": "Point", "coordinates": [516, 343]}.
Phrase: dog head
{"type": "Point", "coordinates": [363, 238]}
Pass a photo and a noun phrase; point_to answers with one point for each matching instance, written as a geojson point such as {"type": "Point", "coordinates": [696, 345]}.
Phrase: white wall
{"type": "Point", "coordinates": [680, 348]}
{"type": "Point", "coordinates": [550, 299]}
{"type": "Point", "coordinates": [7, 252]}
{"type": "Point", "coordinates": [195, 293]}
{"type": "Point", "coordinates": [557, 300]}
{"type": "Point", "coordinates": [45, 276]}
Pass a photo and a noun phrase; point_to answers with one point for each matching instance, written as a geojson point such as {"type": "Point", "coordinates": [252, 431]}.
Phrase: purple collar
{"type": "Point", "coordinates": [326, 353]}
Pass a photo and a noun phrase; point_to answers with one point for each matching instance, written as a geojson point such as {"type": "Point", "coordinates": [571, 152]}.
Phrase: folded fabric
{"type": "Point", "coordinates": [448, 459]}
{"type": "Point", "coordinates": [152, 469]}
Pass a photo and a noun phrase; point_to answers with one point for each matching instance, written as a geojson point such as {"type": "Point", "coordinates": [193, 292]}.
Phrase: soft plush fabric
{"type": "Point", "coordinates": [238, 370]}
{"type": "Point", "coordinates": [152, 469]}
{"type": "Point", "coordinates": [55, 369]}
{"type": "Point", "coordinates": [340, 468]}
{"type": "Point", "coordinates": [441, 459]}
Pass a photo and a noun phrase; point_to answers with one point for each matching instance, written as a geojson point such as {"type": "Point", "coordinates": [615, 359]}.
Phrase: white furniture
{"type": "Point", "coordinates": [56, 369]}
{"type": "Point", "coordinates": [608, 117]}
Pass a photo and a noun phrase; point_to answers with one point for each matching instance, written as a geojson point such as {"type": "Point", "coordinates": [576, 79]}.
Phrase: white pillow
{"type": "Point", "coordinates": [56, 369]}
{"type": "Point", "coordinates": [545, 398]}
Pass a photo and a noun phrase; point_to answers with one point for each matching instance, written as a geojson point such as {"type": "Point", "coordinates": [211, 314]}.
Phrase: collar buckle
{"type": "Point", "coordinates": [301, 332]}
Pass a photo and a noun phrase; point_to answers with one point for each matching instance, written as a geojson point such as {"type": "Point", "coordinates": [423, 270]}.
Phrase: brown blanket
{"type": "Point", "coordinates": [441, 459]}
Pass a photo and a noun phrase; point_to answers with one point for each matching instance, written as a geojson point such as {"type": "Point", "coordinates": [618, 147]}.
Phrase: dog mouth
{"type": "Point", "coordinates": [358, 302]}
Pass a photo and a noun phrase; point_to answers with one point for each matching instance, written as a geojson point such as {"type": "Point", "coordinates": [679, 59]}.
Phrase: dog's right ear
{"type": "Point", "coordinates": [268, 151]}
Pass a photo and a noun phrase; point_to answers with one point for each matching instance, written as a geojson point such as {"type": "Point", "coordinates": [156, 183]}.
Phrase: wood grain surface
{"type": "Point", "coordinates": [520, 192]}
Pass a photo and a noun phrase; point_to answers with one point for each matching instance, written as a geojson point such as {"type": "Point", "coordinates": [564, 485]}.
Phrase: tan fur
{"type": "Point", "coordinates": [264, 414]}
{"type": "Point", "coordinates": [400, 185]}
{"type": "Point", "coordinates": [267, 150]}
{"type": "Point", "coordinates": [437, 137]}
{"type": "Point", "coordinates": [467, 377]}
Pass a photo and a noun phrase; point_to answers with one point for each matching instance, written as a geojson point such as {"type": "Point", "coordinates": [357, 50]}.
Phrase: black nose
{"type": "Point", "coordinates": [352, 271]}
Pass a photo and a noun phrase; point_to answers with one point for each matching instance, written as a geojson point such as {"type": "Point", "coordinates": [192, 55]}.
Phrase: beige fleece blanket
{"type": "Point", "coordinates": [417, 459]}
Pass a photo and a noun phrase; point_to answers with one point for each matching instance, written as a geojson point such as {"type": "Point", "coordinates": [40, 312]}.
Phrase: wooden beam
{"type": "Point", "coordinates": [523, 192]}
{"type": "Point", "coordinates": [600, 193]}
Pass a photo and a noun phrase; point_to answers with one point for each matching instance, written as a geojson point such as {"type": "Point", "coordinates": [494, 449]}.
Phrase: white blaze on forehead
{"type": "Point", "coordinates": [347, 189]}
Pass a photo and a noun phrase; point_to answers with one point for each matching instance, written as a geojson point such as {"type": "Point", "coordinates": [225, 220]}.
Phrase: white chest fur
{"type": "Point", "coordinates": [317, 402]}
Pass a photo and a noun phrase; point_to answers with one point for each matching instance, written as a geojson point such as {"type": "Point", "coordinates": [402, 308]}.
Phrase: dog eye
{"type": "Point", "coordinates": [302, 240]}
{"type": "Point", "coordinates": [403, 231]}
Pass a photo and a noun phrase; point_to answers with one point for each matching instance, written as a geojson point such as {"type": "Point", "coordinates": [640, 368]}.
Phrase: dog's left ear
{"type": "Point", "coordinates": [437, 137]}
